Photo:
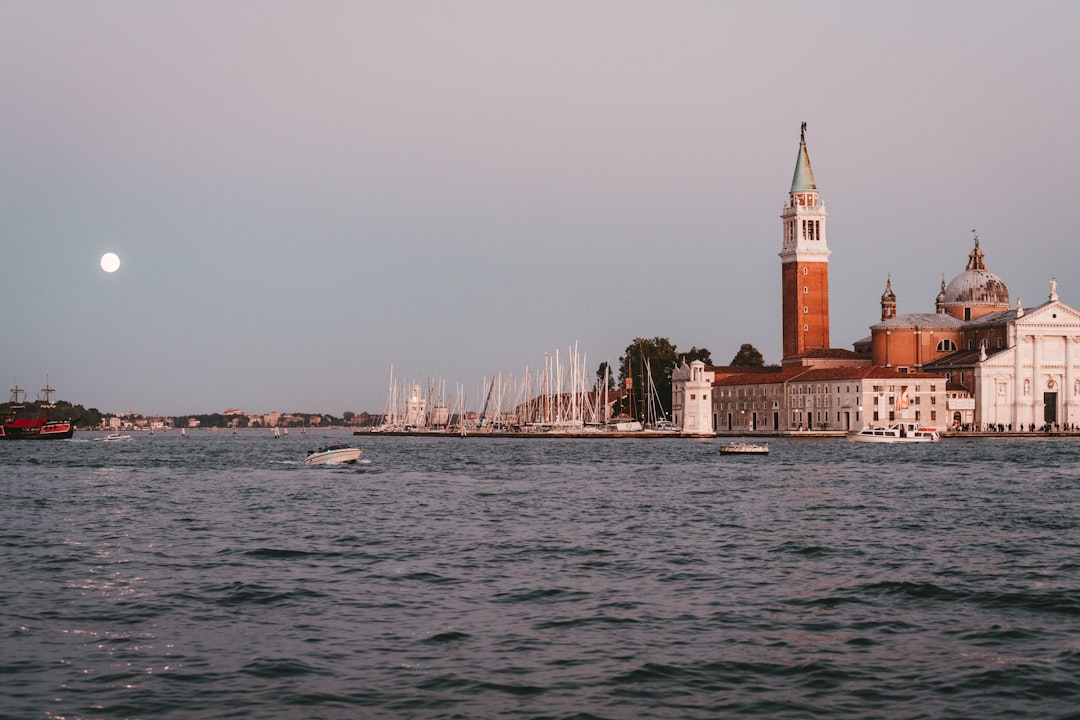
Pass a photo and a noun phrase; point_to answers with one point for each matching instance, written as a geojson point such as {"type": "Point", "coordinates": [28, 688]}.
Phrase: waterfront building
{"type": "Point", "coordinates": [976, 361]}
{"type": "Point", "coordinates": [801, 398]}
{"type": "Point", "coordinates": [816, 387]}
{"type": "Point", "coordinates": [1017, 367]}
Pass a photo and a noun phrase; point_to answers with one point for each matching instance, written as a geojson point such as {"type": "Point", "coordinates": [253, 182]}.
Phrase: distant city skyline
{"type": "Point", "coordinates": [302, 196]}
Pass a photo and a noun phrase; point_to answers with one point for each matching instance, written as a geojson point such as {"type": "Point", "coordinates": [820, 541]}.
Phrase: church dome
{"type": "Point", "coordinates": [977, 286]}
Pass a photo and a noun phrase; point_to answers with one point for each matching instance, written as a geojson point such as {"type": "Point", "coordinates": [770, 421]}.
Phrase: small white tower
{"type": "Point", "coordinates": [696, 397]}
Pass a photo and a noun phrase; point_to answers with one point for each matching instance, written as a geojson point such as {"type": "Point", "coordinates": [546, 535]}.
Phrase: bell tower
{"type": "Point", "coordinates": [888, 302]}
{"type": "Point", "coordinates": [804, 262]}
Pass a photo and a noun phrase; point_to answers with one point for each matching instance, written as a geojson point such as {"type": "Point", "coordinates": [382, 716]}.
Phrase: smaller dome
{"type": "Point", "coordinates": [888, 295]}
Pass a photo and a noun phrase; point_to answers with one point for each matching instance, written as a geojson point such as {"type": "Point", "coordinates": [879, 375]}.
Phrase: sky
{"type": "Point", "coordinates": [303, 195]}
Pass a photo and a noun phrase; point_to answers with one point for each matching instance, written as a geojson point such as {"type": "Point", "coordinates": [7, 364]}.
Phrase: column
{"type": "Point", "coordinates": [1067, 391]}
{"type": "Point", "coordinates": [1018, 379]}
{"type": "Point", "coordinates": [1036, 373]}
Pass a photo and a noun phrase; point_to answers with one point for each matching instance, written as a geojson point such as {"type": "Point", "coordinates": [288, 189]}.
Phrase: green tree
{"type": "Point", "coordinates": [695, 353]}
{"type": "Point", "coordinates": [604, 372]}
{"type": "Point", "coordinates": [653, 358]}
{"type": "Point", "coordinates": [748, 356]}
{"type": "Point", "coordinates": [60, 410]}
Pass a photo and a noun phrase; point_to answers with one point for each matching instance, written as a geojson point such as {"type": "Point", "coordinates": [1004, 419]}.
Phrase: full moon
{"type": "Point", "coordinates": [110, 262]}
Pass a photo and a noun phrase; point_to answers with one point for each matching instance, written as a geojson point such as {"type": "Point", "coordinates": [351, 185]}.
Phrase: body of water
{"type": "Point", "coordinates": [215, 576]}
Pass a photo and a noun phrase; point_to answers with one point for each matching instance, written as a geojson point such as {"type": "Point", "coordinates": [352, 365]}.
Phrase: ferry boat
{"type": "Point", "coordinates": [907, 431]}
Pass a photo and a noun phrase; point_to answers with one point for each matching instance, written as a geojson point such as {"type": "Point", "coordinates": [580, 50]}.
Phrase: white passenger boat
{"type": "Point", "coordinates": [336, 454]}
{"type": "Point", "coordinates": [902, 432]}
{"type": "Point", "coordinates": [115, 437]}
{"type": "Point", "coordinates": [745, 448]}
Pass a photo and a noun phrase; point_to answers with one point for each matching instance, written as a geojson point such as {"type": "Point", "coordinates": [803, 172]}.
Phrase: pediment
{"type": "Point", "coordinates": [1053, 314]}
{"type": "Point", "coordinates": [1002, 359]}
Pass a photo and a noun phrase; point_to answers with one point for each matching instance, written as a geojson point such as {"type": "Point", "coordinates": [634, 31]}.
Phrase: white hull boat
{"type": "Point", "coordinates": [333, 455]}
{"type": "Point", "coordinates": [901, 432]}
{"type": "Point", "coordinates": [745, 448]}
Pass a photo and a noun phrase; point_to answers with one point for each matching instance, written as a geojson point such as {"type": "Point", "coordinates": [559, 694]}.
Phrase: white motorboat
{"type": "Point", "coordinates": [745, 448]}
{"type": "Point", "coordinates": [115, 437]}
{"type": "Point", "coordinates": [906, 431]}
{"type": "Point", "coordinates": [335, 454]}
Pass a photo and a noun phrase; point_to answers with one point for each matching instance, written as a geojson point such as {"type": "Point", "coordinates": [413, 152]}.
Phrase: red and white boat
{"type": "Point", "coordinates": [38, 428]}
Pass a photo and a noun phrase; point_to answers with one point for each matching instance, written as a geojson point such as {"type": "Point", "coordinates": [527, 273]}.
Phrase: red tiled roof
{"type": "Point", "coordinates": [826, 374]}
{"type": "Point", "coordinates": [829, 354]}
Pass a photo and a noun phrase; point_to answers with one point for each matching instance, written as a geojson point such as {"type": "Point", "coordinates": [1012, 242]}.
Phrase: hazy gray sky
{"type": "Point", "coordinates": [302, 194]}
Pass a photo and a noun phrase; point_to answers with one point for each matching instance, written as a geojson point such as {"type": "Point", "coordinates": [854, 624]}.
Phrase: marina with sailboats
{"type": "Point", "coordinates": [559, 399]}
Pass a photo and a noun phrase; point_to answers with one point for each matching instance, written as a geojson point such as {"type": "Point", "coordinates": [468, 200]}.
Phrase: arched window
{"type": "Point", "coordinates": [946, 346]}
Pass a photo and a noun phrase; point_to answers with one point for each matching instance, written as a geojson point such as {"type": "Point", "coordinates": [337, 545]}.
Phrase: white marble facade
{"type": "Point", "coordinates": [1036, 380]}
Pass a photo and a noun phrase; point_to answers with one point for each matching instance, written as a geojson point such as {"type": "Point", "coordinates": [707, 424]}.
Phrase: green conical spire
{"type": "Point", "coordinates": [804, 174]}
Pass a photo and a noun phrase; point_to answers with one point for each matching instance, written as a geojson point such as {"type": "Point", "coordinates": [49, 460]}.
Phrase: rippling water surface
{"type": "Point", "coordinates": [215, 576]}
